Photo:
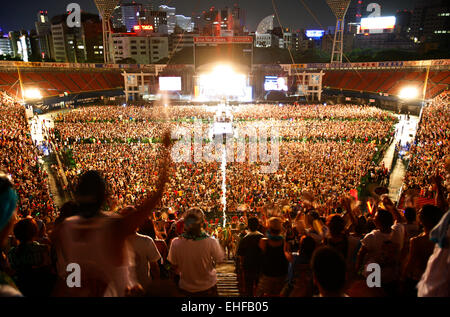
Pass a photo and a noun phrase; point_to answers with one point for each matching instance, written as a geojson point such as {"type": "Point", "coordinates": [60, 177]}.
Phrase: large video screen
{"type": "Point", "coordinates": [315, 33]}
{"type": "Point", "coordinates": [275, 83]}
{"type": "Point", "coordinates": [169, 83]}
{"type": "Point", "coordinates": [377, 23]}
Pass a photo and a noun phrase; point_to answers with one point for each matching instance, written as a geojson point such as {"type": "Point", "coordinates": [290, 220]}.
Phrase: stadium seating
{"type": "Point", "coordinates": [51, 83]}
{"type": "Point", "coordinates": [387, 81]}
{"type": "Point", "coordinates": [61, 81]}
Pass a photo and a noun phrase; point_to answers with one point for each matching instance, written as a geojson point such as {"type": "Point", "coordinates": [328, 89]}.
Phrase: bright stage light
{"type": "Point", "coordinates": [222, 82]}
{"type": "Point", "coordinates": [408, 93]}
{"type": "Point", "coordinates": [32, 93]}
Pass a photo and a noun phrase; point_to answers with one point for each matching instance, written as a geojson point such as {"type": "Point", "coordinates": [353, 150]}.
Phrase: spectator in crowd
{"type": "Point", "coordinates": [275, 258]}
{"type": "Point", "coordinates": [329, 271]}
{"type": "Point", "coordinates": [31, 260]}
{"type": "Point", "coordinates": [435, 280]}
{"type": "Point", "coordinates": [250, 257]}
{"type": "Point", "coordinates": [301, 283]}
{"type": "Point", "coordinates": [382, 246]}
{"type": "Point", "coordinates": [96, 242]}
{"type": "Point", "coordinates": [145, 257]}
{"type": "Point", "coordinates": [420, 249]}
{"type": "Point", "coordinates": [8, 205]}
{"type": "Point", "coordinates": [194, 256]}
{"type": "Point", "coordinates": [338, 239]}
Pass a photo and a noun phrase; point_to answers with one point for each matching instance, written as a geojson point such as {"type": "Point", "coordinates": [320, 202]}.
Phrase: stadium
{"type": "Point", "coordinates": [171, 162]}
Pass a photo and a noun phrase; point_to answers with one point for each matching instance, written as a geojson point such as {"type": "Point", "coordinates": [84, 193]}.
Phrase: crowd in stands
{"type": "Point", "coordinates": [300, 232]}
{"type": "Point", "coordinates": [19, 158]}
{"type": "Point", "coordinates": [430, 147]}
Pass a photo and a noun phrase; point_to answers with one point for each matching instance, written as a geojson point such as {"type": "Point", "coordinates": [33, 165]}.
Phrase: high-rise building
{"type": "Point", "coordinates": [130, 14]}
{"type": "Point", "coordinates": [117, 19]}
{"type": "Point", "coordinates": [5, 45]}
{"type": "Point", "coordinates": [171, 17]}
{"type": "Point", "coordinates": [77, 44]}
{"type": "Point", "coordinates": [44, 34]}
{"type": "Point", "coordinates": [403, 22]}
{"type": "Point", "coordinates": [217, 22]}
{"type": "Point", "coordinates": [238, 20]}
{"type": "Point", "coordinates": [20, 44]}
{"type": "Point", "coordinates": [353, 16]}
{"type": "Point", "coordinates": [185, 23]}
{"type": "Point", "coordinates": [141, 48]}
{"type": "Point", "coordinates": [157, 19]}
{"type": "Point", "coordinates": [430, 21]}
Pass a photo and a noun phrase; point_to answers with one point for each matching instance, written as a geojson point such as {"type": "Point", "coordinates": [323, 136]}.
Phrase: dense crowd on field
{"type": "Point", "coordinates": [101, 141]}
{"type": "Point", "coordinates": [241, 112]}
{"type": "Point", "coordinates": [138, 222]}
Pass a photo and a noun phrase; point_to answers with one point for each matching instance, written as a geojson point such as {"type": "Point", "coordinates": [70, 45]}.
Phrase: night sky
{"type": "Point", "coordinates": [15, 15]}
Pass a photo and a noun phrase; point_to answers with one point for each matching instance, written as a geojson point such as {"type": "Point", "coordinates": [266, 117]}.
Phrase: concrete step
{"type": "Point", "coordinates": [227, 284]}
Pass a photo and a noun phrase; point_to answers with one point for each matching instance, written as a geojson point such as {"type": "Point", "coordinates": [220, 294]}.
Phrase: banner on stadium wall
{"type": "Point", "coordinates": [223, 39]}
{"type": "Point", "coordinates": [299, 66]}
{"type": "Point", "coordinates": [235, 39]}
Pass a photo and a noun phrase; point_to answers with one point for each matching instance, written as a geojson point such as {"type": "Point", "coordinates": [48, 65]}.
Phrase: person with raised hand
{"type": "Point", "coordinates": [96, 242]}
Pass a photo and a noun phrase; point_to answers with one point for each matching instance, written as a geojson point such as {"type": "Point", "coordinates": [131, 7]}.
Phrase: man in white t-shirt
{"type": "Point", "coordinates": [195, 254]}
{"type": "Point", "coordinates": [146, 256]}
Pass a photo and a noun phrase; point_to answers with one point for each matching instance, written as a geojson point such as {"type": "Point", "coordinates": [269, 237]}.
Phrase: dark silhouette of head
{"type": "Point", "coordinates": [90, 194]}
{"type": "Point", "coordinates": [329, 271]}
{"type": "Point", "coordinates": [336, 224]}
{"type": "Point", "coordinates": [68, 209]}
{"type": "Point", "coordinates": [26, 230]}
{"type": "Point", "coordinates": [193, 221]}
{"type": "Point", "coordinates": [307, 245]}
{"type": "Point", "coordinates": [410, 214]}
{"type": "Point", "coordinates": [429, 216]}
{"type": "Point", "coordinates": [253, 224]}
{"type": "Point", "coordinates": [384, 220]}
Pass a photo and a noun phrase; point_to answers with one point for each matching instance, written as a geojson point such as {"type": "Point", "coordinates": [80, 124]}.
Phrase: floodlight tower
{"type": "Point", "coordinates": [339, 8]}
{"type": "Point", "coordinates": [106, 8]}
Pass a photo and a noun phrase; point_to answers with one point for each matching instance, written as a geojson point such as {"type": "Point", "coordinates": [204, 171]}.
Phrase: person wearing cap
{"type": "Point", "coordinates": [8, 205]}
{"type": "Point", "coordinates": [194, 255]}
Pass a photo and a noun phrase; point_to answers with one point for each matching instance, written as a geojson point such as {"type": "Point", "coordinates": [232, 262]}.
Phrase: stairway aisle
{"type": "Point", "coordinates": [227, 284]}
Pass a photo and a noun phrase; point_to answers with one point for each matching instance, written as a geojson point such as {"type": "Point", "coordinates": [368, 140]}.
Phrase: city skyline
{"type": "Point", "coordinates": [291, 12]}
